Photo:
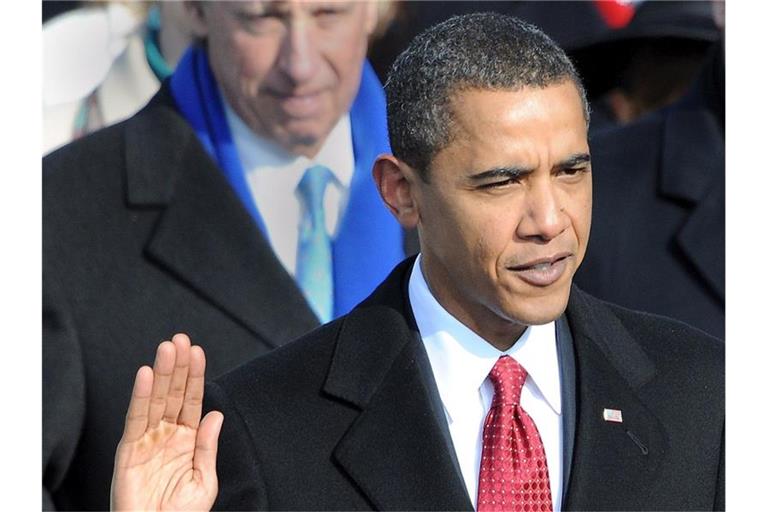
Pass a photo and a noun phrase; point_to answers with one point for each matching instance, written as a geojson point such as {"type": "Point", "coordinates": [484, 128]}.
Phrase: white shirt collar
{"type": "Point", "coordinates": [461, 360]}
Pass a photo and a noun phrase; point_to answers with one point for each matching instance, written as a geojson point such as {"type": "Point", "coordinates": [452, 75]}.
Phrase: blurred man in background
{"type": "Point", "coordinates": [658, 239]}
{"type": "Point", "coordinates": [238, 204]}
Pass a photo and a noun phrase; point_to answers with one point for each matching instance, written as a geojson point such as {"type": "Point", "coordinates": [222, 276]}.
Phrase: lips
{"type": "Point", "coordinates": [542, 271]}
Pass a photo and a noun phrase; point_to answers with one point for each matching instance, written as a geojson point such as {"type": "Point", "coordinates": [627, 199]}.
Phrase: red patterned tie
{"type": "Point", "coordinates": [513, 471]}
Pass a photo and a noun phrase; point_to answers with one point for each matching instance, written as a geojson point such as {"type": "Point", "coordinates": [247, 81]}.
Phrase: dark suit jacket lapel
{"type": "Point", "coordinates": [613, 463]}
{"type": "Point", "coordinates": [697, 177]}
{"type": "Point", "coordinates": [396, 451]}
{"type": "Point", "coordinates": [204, 236]}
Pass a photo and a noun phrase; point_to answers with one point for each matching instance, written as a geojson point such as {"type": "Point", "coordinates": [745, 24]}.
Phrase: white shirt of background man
{"type": "Point", "coordinates": [273, 174]}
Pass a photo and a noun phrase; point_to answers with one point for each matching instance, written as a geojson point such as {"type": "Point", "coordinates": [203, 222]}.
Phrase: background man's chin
{"type": "Point", "coordinates": [299, 143]}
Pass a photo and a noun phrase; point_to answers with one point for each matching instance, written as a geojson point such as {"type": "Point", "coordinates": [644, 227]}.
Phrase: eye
{"type": "Point", "coordinates": [498, 184]}
{"type": "Point", "coordinates": [328, 11]}
{"type": "Point", "coordinates": [329, 15]}
{"type": "Point", "coordinates": [259, 22]}
{"type": "Point", "coordinates": [573, 172]}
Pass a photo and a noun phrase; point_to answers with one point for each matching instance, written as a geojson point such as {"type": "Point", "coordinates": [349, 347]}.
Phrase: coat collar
{"type": "Point", "coordinates": [151, 166]}
{"type": "Point", "coordinates": [396, 451]}
{"type": "Point", "coordinates": [204, 237]}
{"type": "Point", "coordinates": [687, 174]}
{"type": "Point", "coordinates": [697, 177]}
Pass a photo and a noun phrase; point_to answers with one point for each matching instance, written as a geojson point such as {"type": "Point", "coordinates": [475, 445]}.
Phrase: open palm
{"type": "Point", "coordinates": [166, 459]}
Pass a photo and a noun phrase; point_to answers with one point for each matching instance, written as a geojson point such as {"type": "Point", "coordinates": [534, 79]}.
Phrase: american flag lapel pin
{"type": "Point", "coordinates": [613, 415]}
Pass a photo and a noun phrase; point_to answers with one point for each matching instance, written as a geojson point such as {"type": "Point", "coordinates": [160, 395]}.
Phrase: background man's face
{"type": "Point", "coordinates": [505, 219]}
{"type": "Point", "coordinates": [289, 69]}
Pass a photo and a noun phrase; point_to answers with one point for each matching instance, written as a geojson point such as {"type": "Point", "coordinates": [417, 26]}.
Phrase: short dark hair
{"type": "Point", "coordinates": [475, 51]}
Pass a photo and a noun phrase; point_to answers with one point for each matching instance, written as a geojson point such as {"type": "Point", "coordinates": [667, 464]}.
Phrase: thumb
{"type": "Point", "coordinates": [206, 448]}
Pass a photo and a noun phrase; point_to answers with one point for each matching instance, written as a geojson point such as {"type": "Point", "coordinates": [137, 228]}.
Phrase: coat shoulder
{"type": "Point", "coordinates": [667, 335]}
{"type": "Point", "coordinates": [293, 370]}
{"type": "Point", "coordinates": [105, 152]}
{"type": "Point", "coordinates": [616, 139]}
{"type": "Point", "coordinates": [669, 343]}
{"type": "Point", "coordinates": [102, 149]}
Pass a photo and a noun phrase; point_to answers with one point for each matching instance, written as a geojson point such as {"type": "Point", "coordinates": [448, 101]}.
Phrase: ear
{"type": "Point", "coordinates": [372, 15]}
{"type": "Point", "coordinates": [394, 179]}
{"type": "Point", "coordinates": [196, 16]}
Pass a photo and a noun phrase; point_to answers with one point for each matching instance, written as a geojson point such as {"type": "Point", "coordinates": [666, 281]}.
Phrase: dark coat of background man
{"type": "Point", "coordinates": [490, 163]}
{"type": "Point", "coordinates": [660, 208]}
{"type": "Point", "coordinates": [148, 228]}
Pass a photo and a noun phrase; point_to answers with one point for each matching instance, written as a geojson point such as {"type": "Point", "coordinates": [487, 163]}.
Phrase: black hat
{"type": "Point", "coordinates": [601, 55]}
{"type": "Point", "coordinates": [656, 19]}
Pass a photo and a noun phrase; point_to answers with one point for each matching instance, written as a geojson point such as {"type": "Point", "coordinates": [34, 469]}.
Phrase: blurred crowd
{"type": "Point", "coordinates": [147, 231]}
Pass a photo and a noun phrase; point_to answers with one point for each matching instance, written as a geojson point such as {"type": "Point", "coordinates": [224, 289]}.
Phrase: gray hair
{"type": "Point", "coordinates": [475, 51]}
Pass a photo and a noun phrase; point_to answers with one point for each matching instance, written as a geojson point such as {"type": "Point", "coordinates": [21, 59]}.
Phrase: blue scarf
{"type": "Point", "coordinates": [368, 241]}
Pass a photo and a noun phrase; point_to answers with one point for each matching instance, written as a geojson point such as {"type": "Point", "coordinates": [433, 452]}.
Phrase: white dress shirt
{"type": "Point", "coordinates": [272, 175]}
{"type": "Point", "coordinates": [461, 361]}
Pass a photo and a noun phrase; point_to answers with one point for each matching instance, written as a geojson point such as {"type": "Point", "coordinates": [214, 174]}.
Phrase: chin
{"type": "Point", "coordinates": [297, 143]}
{"type": "Point", "coordinates": [538, 318]}
{"type": "Point", "coordinates": [303, 139]}
{"type": "Point", "coordinates": [306, 130]}
{"type": "Point", "coordinates": [538, 310]}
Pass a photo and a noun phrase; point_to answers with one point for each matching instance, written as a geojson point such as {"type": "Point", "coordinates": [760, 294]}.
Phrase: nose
{"type": "Point", "coordinates": [544, 217]}
{"type": "Point", "coordinates": [298, 57]}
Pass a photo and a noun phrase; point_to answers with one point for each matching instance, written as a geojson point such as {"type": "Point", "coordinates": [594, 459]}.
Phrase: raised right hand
{"type": "Point", "coordinates": [166, 459]}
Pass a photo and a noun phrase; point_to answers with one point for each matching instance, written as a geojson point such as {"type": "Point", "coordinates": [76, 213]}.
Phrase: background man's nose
{"type": "Point", "coordinates": [299, 56]}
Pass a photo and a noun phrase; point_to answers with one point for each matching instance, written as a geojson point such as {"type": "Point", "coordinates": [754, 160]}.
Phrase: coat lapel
{"type": "Point", "coordinates": [614, 463]}
{"type": "Point", "coordinates": [697, 177]}
{"type": "Point", "coordinates": [395, 452]}
{"type": "Point", "coordinates": [204, 237]}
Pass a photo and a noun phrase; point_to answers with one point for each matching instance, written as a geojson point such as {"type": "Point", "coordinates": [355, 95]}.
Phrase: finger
{"type": "Point", "coordinates": [138, 408]}
{"type": "Point", "coordinates": [192, 408]}
{"type": "Point", "coordinates": [206, 448]}
{"type": "Point", "coordinates": [179, 378]}
{"type": "Point", "coordinates": [163, 370]}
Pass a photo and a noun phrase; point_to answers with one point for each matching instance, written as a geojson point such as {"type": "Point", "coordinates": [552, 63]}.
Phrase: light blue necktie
{"type": "Point", "coordinates": [314, 265]}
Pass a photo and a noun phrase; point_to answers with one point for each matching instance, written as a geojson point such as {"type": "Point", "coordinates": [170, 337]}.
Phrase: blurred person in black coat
{"type": "Point", "coordinates": [658, 236]}
{"type": "Point", "coordinates": [145, 231]}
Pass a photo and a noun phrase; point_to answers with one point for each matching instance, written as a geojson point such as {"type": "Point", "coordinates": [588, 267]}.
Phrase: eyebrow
{"type": "Point", "coordinates": [261, 8]}
{"type": "Point", "coordinates": [574, 161]}
{"type": "Point", "coordinates": [501, 172]}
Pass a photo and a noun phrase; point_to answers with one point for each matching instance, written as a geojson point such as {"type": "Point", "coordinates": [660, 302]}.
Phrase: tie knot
{"type": "Point", "coordinates": [312, 186]}
{"type": "Point", "coordinates": [507, 377]}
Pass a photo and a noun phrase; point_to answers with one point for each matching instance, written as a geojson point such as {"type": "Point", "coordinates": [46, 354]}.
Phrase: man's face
{"type": "Point", "coordinates": [289, 69]}
{"type": "Point", "coordinates": [505, 218]}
